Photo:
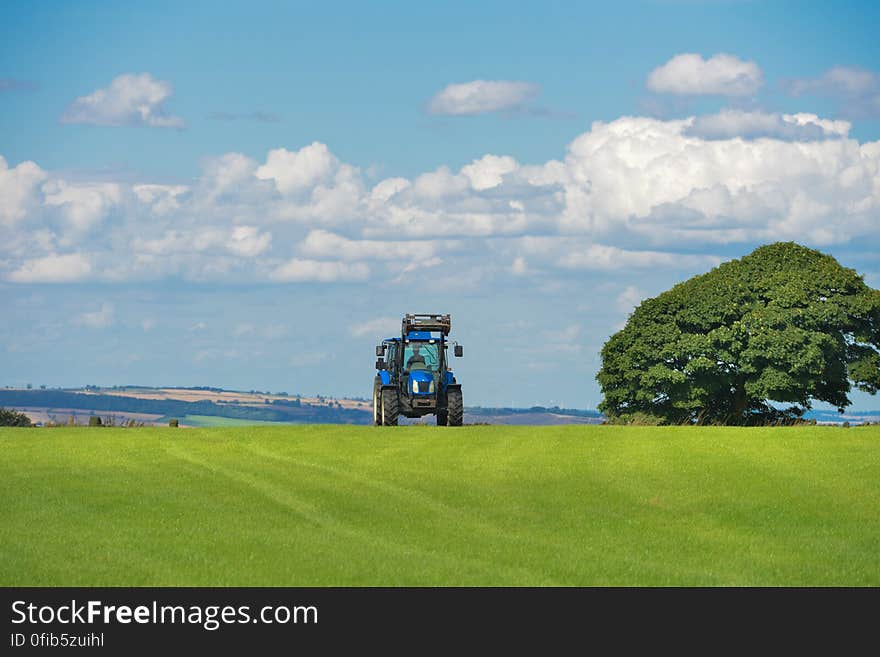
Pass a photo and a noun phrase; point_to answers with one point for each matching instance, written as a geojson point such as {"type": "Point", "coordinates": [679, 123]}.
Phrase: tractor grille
{"type": "Point", "coordinates": [424, 386]}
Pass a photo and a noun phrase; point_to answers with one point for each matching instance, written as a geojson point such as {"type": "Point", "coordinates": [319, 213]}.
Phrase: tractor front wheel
{"type": "Point", "coordinates": [377, 405]}
{"type": "Point", "coordinates": [454, 408]}
{"type": "Point", "coordinates": [390, 407]}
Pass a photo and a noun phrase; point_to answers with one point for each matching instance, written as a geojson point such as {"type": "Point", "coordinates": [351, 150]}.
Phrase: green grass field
{"type": "Point", "coordinates": [339, 505]}
{"type": "Point", "coordinates": [218, 421]}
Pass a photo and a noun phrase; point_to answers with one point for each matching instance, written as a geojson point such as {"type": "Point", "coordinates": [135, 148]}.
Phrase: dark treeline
{"type": "Point", "coordinates": [278, 411]}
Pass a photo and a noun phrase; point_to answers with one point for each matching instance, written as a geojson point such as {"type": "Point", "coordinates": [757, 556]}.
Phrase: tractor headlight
{"type": "Point", "coordinates": [415, 386]}
{"type": "Point", "coordinates": [431, 387]}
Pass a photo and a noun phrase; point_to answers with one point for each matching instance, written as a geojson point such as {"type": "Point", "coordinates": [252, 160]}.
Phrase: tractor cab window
{"type": "Point", "coordinates": [421, 356]}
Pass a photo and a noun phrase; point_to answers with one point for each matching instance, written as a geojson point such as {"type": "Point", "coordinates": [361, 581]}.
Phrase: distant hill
{"type": "Point", "coordinates": [158, 405]}
{"type": "Point", "coordinates": [100, 403]}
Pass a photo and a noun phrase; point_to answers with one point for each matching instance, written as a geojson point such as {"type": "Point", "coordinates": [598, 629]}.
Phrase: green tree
{"type": "Point", "coordinates": [10, 418]}
{"type": "Point", "coordinates": [784, 324]}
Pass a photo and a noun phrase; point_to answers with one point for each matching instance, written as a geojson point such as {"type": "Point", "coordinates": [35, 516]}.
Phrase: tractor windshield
{"type": "Point", "coordinates": [421, 356]}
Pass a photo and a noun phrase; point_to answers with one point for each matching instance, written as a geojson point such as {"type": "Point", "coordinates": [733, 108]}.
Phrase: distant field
{"type": "Point", "coordinates": [227, 396]}
{"type": "Point", "coordinates": [488, 505]}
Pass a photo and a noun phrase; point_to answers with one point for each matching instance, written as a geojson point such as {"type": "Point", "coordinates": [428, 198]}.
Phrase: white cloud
{"type": "Point", "coordinates": [99, 318]}
{"type": "Point", "coordinates": [321, 271]}
{"type": "Point", "coordinates": [225, 177]}
{"type": "Point", "coordinates": [489, 171]}
{"type": "Point", "coordinates": [439, 184]}
{"type": "Point", "coordinates": [857, 89]}
{"type": "Point", "coordinates": [295, 171]}
{"type": "Point", "coordinates": [52, 269]}
{"type": "Point", "coordinates": [648, 177]}
{"type": "Point", "coordinates": [720, 75]}
{"type": "Point", "coordinates": [482, 97]}
{"type": "Point", "coordinates": [380, 326]}
{"type": "Point", "coordinates": [386, 189]}
{"type": "Point", "coordinates": [19, 190]}
{"type": "Point", "coordinates": [148, 324]}
{"type": "Point", "coordinates": [130, 99]}
{"type": "Point", "coordinates": [583, 254]}
{"type": "Point", "coordinates": [161, 199]}
{"type": "Point", "coordinates": [631, 193]}
{"type": "Point", "coordinates": [323, 244]}
{"type": "Point", "coordinates": [629, 298]}
{"type": "Point", "coordinates": [418, 265]}
{"type": "Point", "coordinates": [82, 206]}
{"type": "Point", "coordinates": [731, 123]}
{"type": "Point", "coordinates": [248, 241]}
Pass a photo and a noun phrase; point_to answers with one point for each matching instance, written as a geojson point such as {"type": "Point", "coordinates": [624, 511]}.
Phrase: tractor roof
{"type": "Point", "coordinates": [414, 322]}
{"type": "Point", "coordinates": [413, 335]}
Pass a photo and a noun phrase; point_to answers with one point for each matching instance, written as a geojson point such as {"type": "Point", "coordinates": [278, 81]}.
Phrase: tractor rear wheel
{"type": "Point", "coordinates": [455, 408]}
{"type": "Point", "coordinates": [390, 407]}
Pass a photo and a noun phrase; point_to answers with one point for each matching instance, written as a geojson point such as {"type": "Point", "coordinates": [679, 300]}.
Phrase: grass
{"type": "Point", "coordinates": [217, 421]}
{"type": "Point", "coordinates": [335, 505]}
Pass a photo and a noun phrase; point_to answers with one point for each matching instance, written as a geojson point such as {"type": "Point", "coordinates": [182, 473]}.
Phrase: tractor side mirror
{"type": "Point", "coordinates": [380, 350]}
{"type": "Point", "coordinates": [380, 364]}
{"type": "Point", "coordinates": [459, 351]}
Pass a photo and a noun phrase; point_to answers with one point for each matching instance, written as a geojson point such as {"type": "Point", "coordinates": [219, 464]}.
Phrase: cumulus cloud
{"type": "Point", "coordinates": [161, 199]}
{"type": "Point", "coordinates": [83, 205]}
{"type": "Point", "coordinates": [323, 244]}
{"type": "Point", "coordinates": [857, 90]}
{"type": "Point", "coordinates": [52, 269]}
{"type": "Point", "coordinates": [322, 271]}
{"type": "Point", "coordinates": [649, 177]}
{"type": "Point", "coordinates": [483, 97]}
{"type": "Point", "coordinates": [19, 190]}
{"type": "Point", "coordinates": [248, 241]}
{"type": "Point", "coordinates": [689, 74]}
{"type": "Point", "coordinates": [130, 99]}
{"type": "Point", "coordinates": [489, 171]}
{"type": "Point", "coordinates": [635, 193]}
{"type": "Point", "coordinates": [731, 123]}
{"type": "Point", "coordinates": [294, 171]}
{"type": "Point", "coordinates": [102, 318]}
{"type": "Point", "coordinates": [579, 253]}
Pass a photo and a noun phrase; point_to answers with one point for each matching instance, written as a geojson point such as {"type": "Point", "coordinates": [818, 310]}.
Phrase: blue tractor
{"type": "Point", "coordinates": [413, 377]}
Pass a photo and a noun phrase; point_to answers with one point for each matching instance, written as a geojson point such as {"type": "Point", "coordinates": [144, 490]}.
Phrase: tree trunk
{"type": "Point", "coordinates": [740, 401]}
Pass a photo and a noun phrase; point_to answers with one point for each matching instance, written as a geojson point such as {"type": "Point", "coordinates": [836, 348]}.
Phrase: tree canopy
{"type": "Point", "coordinates": [783, 324]}
{"type": "Point", "coordinates": [9, 418]}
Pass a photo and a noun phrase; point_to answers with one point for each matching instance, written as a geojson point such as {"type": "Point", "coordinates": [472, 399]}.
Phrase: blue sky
{"type": "Point", "coordinates": [251, 194]}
